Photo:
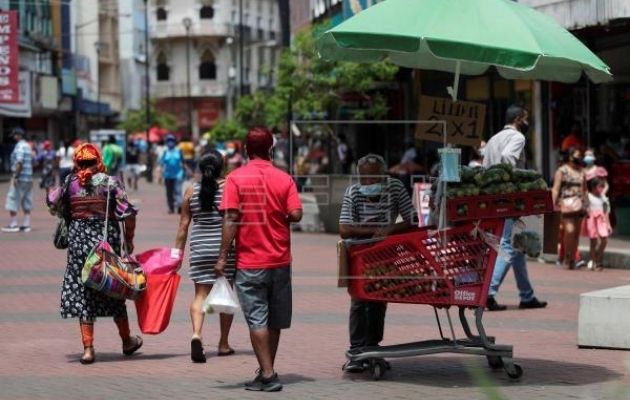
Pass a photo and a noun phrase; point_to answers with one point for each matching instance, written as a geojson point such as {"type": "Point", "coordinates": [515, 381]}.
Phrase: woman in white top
{"type": "Point", "coordinates": [65, 155]}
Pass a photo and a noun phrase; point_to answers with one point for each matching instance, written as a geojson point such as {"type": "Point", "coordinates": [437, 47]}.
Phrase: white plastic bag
{"type": "Point", "coordinates": [221, 299]}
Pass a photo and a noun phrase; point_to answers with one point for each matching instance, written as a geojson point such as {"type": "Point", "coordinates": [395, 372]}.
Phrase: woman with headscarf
{"type": "Point", "coordinates": [201, 206]}
{"type": "Point", "coordinates": [86, 197]}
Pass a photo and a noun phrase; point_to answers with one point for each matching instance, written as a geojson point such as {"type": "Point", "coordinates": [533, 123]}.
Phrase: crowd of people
{"type": "Point", "coordinates": [239, 209]}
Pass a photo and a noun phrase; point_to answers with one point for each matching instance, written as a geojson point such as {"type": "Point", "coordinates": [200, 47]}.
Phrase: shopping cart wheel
{"type": "Point", "coordinates": [377, 369]}
{"type": "Point", "coordinates": [495, 362]}
{"type": "Point", "coordinates": [514, 371]}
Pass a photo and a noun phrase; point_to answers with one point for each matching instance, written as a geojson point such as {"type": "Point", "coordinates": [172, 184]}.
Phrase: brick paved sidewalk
{"type": "Point", "coordinates": [39, 351]}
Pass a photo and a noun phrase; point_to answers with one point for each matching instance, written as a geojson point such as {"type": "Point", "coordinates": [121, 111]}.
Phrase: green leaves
{"type": "Point", "coordinates": [136, 120]}
{"type": "Point", "coordinates": [316, 87]}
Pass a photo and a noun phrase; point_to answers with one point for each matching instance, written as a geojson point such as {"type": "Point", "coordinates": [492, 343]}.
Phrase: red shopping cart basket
{"type": "Point", "coordinates": [450, 267]}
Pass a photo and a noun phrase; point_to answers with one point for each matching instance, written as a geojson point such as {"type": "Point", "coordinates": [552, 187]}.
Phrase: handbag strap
{"type": "Point", "coordinates": [105, 225]}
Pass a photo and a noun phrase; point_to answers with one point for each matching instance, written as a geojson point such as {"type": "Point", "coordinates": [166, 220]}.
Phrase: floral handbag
{"type": "Point", "coordinates": [107, 272]}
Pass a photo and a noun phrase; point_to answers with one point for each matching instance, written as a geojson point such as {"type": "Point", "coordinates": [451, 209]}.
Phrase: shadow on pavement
{"type": "Point", "coordinates": [119, 357]}
{"type": "Point", "coordinates": [286, 379]}
{"type": "Point", "coordinates": [456, 372]}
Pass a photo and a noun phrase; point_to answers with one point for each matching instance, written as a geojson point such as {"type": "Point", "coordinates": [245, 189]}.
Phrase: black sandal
{"type": "Point", "coordinates": [87, 360]}
{"type": "Point", "coordinates": [225, 353]}
{"type": "Point", "coordinates": [133, 348]}
{"type": "Point", "coordinates": [197, 355]}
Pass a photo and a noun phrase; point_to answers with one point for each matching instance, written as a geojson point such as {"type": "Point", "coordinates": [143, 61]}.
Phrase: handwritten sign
{"type": "Point", "coordinates": [464, 121]}
{"type": "Point", "coordinates": [9, 66]}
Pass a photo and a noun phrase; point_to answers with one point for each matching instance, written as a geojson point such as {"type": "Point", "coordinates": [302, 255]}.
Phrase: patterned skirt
{"type": "Point", "coordinates": [78, 301]}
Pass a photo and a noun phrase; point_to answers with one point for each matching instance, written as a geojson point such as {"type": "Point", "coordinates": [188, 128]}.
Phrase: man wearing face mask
{"type": "Point", "coordinates": [172, 163]}
{"type": "Point", "coordinates": [370, 209]}
{"type": "Point", "coordinates": [508, 146]}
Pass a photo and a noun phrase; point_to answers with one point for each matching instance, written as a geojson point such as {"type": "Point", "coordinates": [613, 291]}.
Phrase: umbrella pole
{"type": "Point", "coordinates": [453, 90]}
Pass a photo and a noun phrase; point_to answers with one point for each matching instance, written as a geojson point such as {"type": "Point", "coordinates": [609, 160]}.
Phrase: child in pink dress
{"type": "Point", "coordinates": [597, 221]}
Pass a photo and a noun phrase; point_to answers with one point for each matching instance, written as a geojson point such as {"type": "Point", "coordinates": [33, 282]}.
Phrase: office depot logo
{"type": "Point", "coordinates": [464, 295]}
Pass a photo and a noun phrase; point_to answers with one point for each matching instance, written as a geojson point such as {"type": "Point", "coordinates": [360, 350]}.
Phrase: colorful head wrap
{"type": "Point", "coordinates": [87, 152]}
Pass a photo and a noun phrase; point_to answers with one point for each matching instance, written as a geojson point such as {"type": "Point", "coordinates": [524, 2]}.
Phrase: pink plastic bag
{"type": "Point", "coordinates": [158, 261]}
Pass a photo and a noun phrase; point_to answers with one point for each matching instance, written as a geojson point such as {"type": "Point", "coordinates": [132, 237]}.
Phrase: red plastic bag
{"type": "Point", "coordinates": [159, 261]}
{"type": "Point", "coordinates": [154, 308]}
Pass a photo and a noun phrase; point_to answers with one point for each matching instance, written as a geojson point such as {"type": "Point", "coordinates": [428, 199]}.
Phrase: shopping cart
{"type": "Point", "coordinates": [448, 268]}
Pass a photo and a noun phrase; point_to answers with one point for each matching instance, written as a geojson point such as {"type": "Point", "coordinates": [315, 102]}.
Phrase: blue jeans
{"type": "Point", "coordinates": [516, 259]}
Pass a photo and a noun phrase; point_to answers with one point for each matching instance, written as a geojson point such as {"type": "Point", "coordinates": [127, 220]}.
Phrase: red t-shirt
{"type": "Point", "coordinates": [264, 196]}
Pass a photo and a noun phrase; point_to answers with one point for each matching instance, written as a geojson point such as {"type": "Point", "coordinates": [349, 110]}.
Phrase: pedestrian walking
{"type": "Point", "coordinates": [233, 156]}
{"type": "Point", "coordinates": [86, 196]}
{"type": "Point", "coordinates": [370, 209]}
{"type": "Point", "coordinates": [112, 156]}
{"type": "Point", "coordinates": [508, 146]}
{"type": "Point", "coordinates": [172, 163]}
{"type": "Point", "coordinates": [201, 207]}
{"type": "Point", "coordinates": [20, 195]}
{"type": "Point", "coordinates": [158, 151]}
{"type": "Point", "coordinates": [570, 196]}
{"type": "Point", "coordinates": [260, 202]}
{"type": "Point", "coordinates": [187, 148]}
{"type": "Point", "coordinates": [132, 167]}
{"type": "Point", "coordinates": [46, 160]}
{"type": "Point", "coordinates": [65, 155]}
{"type": "Point", "coordinates": [598, 225]}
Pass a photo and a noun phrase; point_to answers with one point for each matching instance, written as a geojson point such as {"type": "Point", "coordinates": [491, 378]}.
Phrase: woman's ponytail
{"type": "Point", "coordinates": [211, 166]}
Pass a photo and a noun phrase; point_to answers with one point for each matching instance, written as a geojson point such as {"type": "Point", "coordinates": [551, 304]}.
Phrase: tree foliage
{"type": "Point", "coordinates": [316, 87]}
{"type": "Point", "coordinates": [136, 120]}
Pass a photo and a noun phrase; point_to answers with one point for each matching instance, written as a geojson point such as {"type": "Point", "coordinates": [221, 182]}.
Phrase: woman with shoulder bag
{"type": "Point", "coordinates": [570, 198]}
{"type": "Point", "coordinates": [87, 192]}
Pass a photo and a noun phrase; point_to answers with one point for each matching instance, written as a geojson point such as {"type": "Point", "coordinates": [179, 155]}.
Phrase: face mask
{"type": "Point", "coordinates": [372, 190]}
{"type": "Point", "coordinates": [524, 127]}
{"type": "Point", "coordinates": [576, 160]}
{"type": "Point", "coordinates": [230, 151]}
{"type": "Point", "coordinates": [482, 152]}
{"type": "Point", "coordinates": [589, 160]}
{"type": "Point", "coordinates": [170, 145]}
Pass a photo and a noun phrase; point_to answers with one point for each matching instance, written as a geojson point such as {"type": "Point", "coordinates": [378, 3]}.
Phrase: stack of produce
{"type": "Point", "coordinates": [498, 179]}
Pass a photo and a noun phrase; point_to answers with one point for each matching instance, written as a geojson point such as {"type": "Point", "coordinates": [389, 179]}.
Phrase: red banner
{"type": "Point", "coordinates": [9, 63]}
{"type": "Point", "coordinates": [208, 113]}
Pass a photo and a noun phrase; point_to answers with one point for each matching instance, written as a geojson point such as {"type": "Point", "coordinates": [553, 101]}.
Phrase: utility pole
{"type": "Point", "coordinates": [147, 94]}
{"type": "Point", "coordinates": [285, 23]}
{"type": "Point", "coordinates": [241, 45]}
{"type": "Point", "coordinates": [187, 24]}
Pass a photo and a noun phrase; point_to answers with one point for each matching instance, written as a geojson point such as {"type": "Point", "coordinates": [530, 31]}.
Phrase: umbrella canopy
{"type": "Point", "coordinates": [464, 36]}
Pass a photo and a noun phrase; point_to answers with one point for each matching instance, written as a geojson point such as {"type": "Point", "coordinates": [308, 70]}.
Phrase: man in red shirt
{"type": "Point", "coordinates": [260, 202]}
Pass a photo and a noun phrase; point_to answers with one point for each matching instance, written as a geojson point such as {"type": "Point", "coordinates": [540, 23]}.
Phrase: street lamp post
{"type": "Point", "coordinates": [187, 24]}
{"type": "Point", "coordinates": [147, 96]}
{"type": "Point", "coordinates": [241, 48]}
{"type": "Point", "coordinates": [97, 46]}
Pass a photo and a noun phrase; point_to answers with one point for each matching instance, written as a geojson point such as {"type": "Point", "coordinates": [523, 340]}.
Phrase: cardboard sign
{"type": "Point", "coordinates": [9, 65]}
{"type": "Point", "coordinates": [464, 121]}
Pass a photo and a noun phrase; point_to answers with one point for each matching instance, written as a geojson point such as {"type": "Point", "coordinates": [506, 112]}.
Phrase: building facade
{"type": "Point", "coordinates": [132, 53]}
{"type": "Point", "coordinates": [97, 62]}
{"type": "Point", "coordinates": [39, 62]}
{"type": "Point", "coordinates": [196, 68]}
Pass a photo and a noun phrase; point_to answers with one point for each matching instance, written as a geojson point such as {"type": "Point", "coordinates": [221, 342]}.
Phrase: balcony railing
{"type": "Point", "coordinates": [198, 89]}
{"type": "Point", "coordinates": [168, 29]}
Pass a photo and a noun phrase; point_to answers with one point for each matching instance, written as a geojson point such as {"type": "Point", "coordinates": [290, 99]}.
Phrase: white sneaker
{"type": "Point", "coordinates": [11, 228]}
{"type": "Point", "coordinates": [25, 228]}
{"type": "Point", "coordinates": [590, 265]}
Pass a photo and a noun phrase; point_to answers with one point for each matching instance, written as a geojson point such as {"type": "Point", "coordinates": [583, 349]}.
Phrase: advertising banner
{"type": "Point", "coordinates": [23, 108]}
{"type": "Point", "coordinates": [9, 62]}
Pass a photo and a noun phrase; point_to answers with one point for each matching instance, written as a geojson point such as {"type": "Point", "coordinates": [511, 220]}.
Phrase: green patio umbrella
{"type": "Point", "coordinates": [464, 36]}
